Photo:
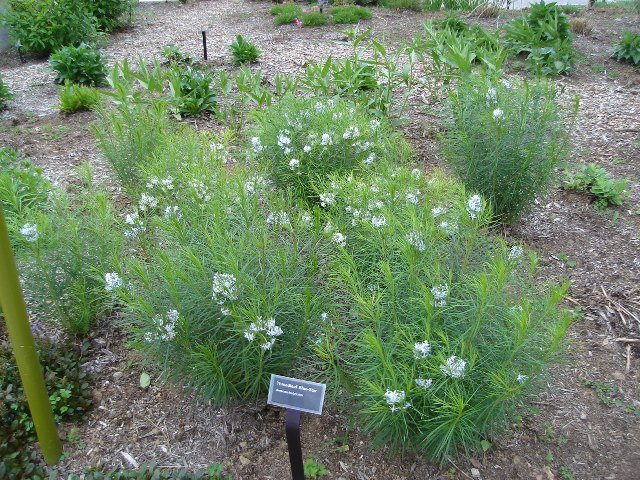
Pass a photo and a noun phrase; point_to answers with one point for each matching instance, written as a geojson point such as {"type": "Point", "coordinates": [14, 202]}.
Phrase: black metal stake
{"type": "Point", "coordinates": [19, 46]}
{"type": "Point", "coordinates": [293, 442]}
{"type": "Point", "coordinates": [204, 42]}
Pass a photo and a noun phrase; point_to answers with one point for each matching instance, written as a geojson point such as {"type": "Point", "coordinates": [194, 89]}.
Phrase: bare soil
{"type": "Point", "coordinates": [569, 430]}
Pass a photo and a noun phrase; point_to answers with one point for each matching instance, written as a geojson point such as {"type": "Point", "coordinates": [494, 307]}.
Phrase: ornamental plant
{"type": "Point", "coordinates": [74, 98]}
{"type": "Point", "coordinates": [301, 140]}
{"type": "Point", "coordinates": [82, 65]}
{"type": "Point", "coordinates": [190, 92]}
{"type": "Point", "coordinates": [286, 13]}
{"type": "Point", "coordinates": [628, 48]}
{"type": "Point", "coordinates": [350, 14]}
{"type": "Point", "coordinates": [244, 51]}
{"type": "Point", "coordinates": [44, 26]}
{"type": "Point", "coordinates": [437, 332]}
{"type": "Point", "coordinates": [110, 14]}
{"type": "Point", "coordinates": [504, 140]}
{"type": "Point", "coordinates": [5, 93]}
{"type": "Point", "coordinates": [314, 19]}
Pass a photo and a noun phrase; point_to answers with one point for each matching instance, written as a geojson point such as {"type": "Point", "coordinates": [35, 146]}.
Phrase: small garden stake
{"type": "Point", "coordinates": [293, 442]}
{"type": "Point", "coordinates": [204, 42]}
{"type": "Point", "coordinates": [24, 348]}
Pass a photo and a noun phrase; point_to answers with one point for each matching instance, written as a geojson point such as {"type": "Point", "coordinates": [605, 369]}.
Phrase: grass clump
{"type": "Point", "coordinates": [628, 48]}
{"type": "Point", "coordinates": [314, 19]}
{"type": "Point", "coordinates": [74, 98]}
{"type": "Point", "coordinates": [286, 13]}
{"type": "Point", "coordinates": [244, 51]}
{"type": "Point", "coordinates": [302, 140]}
{"type": "Point", "coordinates": [504, 141]}
{"type": "Point", "coordinates": [350, 14]}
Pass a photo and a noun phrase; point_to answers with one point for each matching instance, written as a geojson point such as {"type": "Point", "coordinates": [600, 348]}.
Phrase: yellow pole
{"type": "Point", "coordinates": [24, 348]}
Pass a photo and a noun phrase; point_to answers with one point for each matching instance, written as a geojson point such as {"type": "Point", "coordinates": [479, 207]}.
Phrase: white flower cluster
{"type": "Point", "coordinates": [224, 287]}
{"type": "Point", "coordinates": [294, 164]}
{"type": "Point", "coordinates": [164, 327]}
{"type": "Point", "coordinates": [327, 199]}
{"type": "Point", "coordinates": [112, 281]}
{"type": "Point", "coordinates": [339, 238]}
{"type": "Point", "coordinates": [165, 183]}
{"type": "Point", "coordinates": [423, 383]}
{"type": "Point", "coordinates": [305, 219]}
{"type": "Point", "coordinates": [437, 211]}
{"type": "Point", "coordinates": [280, 218]}
{"type": "Point", "coordinates": [474, 206]}
{"type": "Point", "coordinates": [492, 96]}
{"type": "Point", "coordinates": [201, 190]}
{"type": "Point", "coordinates": [351, 132]}
{"type": "Point", "coordinates": [267, 327]}
{"type": "Point", "coordinates": [515, 252]}
{"type": "Point", "coordinates": [256, 145]}
{"type": "Point", "coordinates": [521, 378]}
{"type": "Point", "coordinates": [395, 400]}
{"type": "Point", "coordinates": [147, 202]}
{"type": "Point", "coordinates": [449, 228]}
{"type": "Point", "coordinates": [413, 197]}
{"type": "Point", "coordinates": [378, 221]}
{"type": "Point", "coordinates": [454, 367]}
{"type": "Point", "coordinates": [421, 350]}
{"type": "Point", "coordinates": [136, 224]}
{"type": "Point", "coordinates": [172, 212]}
{"type": "Point", "coordinates": [498, 114]}
{"type": "Point", "coordinates": [253, 184]}
{"type": "Point", "coordinates": [415, 240]}
{"type": "Point", "coordinates": [440, 294]}
{"type": "Point", "coordinates": [30, 232]}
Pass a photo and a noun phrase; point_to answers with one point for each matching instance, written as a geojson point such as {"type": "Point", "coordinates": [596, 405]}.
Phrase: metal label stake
{"type": "Point", "coordinates": [294, 444]}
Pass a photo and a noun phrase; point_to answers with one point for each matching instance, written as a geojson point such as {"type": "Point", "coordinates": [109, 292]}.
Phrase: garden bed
{"type": "Point", "coordinates": [573, 424]}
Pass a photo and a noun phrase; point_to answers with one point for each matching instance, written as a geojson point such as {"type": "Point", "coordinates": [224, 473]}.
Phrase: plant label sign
{"type": "Point", "coordinates": [296, 394]}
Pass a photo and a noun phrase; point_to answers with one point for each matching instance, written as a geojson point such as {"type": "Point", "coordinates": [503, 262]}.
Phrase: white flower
{"type": "Point", "coordinates": [327, 199]}
{"type": "Point", "coordinates": [454, 367]}
{"type": "Point", "coordinates": [294, 163]}
{"type": "Point", "coordinates": [415, 240]}
{"type": "Point", "coordinates": [474, 206]}
{"type": "Point", "coordinates": [283, 140]}
{"type": "Point", "coordinates": [305, 219]}
{"type": "Point", "coordinates": [326, 139]}
{"type": "Point", "coordinates": [153, 182]}
{"type": "Point", "coordinates": [249, 335]}
{"type": "Point", "coordinates": [306, 148]}
{"type": "Point", "coordinates": [413, 197]}
{"type": "Point", "coordinates": [506, 83]}
{"type": "Point", "coordinates": [319, 107]}
{"type": "Point", "coordinates": [516, 308]}
{"type": "Point", "coordinates": [351, 132]}
{"type": "Point", "coordinates": [147, 201]}
{"type": "Point", "coordinates": [492, 96]}
{"type": "Point", "coordinates": [164, 326]}
{"type": "Point", "coordinates": [515, 252]}
{"type": "Point", "coordinates": [268, 328]}
{"type": "Point", "coordinates": [395, 398]}
{"type": "Point", "coordinates": [421, 350]}
{"type": "Point", "coordinates": [268, 344]}
{"type": "Point", "coordinates": [30, 232]}
{"type": "Point", "coordinates": [378, 221]}
{"type": "Point", "coordinates": [498, 114]}
{"type": "Point", "coordinates": [375, 124]}
{"type": "Point", "coordinates": [416, 173]}
{"type": "Point", "coordinates": [440, 294]}
{"type": "Point", "coordinates": [324, 316]}
{"type": "Point", "coordinates": [437, 211]}
{"type": "Point", "coordinates": [339, 238]}
{"type": "Point", "coordinates": [112, 281]}
{"type": "Point", "coordinates": [225, 311]}
{"type": "Point", "coordinates": [201, 190]}
{"type": "Point", "coordinates": [521, 378]}
{"type": "Point", "coordinates": [172, 211]}
{"type": "Point", "coordinates": [256, 144]}
{"type": "Point", "coordinates": [280, 218]}
{"type": "Point", "coordinates": [328, 228]}
{"type": "Point", "coordinates": [370, 159]}
{"type": "Point", "coordinates": [224, 287]}
{"type": "Point", "coordinates": [423, 383]}
{"type": "Point", "coordinates": [374, 204]}
{"type": "Point", "coordinates": [168, 183]}
{"type": "Point", "coordinates": [448, 228]}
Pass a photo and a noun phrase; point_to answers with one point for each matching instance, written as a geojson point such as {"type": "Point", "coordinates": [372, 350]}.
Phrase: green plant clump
{"type": "Point", "coordinates": [74, 98]}
{"type": "Point", "coordinates": [286, 13]}
{"type": "Point", "coordinates": [70, 397]}
{"type": "Point", "coordinates": [5, 93]}
{"type": "Point", "coordinates": [82, 65]}
{"type": "Point", "coordinates": [350, 14]}
{"type": "Point", "coordinates": [302, 140]}
{"type": "Point", "coordinates": [628, 48]}
{"type": "Point", "coordinates": [544, 35]}
{"type": "Point", "coordinates": [153, 472]}
{"type": "Point", "coordinates": [110, 14]}
{"type": "Point", "coordinates": [504, 141]}
{"type": "Point", "coordinates": [44, 26]}
{"type": "Point", "coordinates": [314, 19]}
{"type": "Point", "coordinates": [191, 92]}
{"type": "Point", "coordinates": [598, 182]}
{"type": "Point", "coordinates": [244, 51]}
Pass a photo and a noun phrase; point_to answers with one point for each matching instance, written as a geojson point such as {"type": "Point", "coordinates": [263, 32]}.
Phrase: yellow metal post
{"type": "Point", "coordinates": [24, 348]}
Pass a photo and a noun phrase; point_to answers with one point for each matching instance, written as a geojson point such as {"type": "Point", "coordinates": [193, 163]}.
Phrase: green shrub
{"type": "Point", "coordinates": [22, 186]}
{"type": "Point", "coordinates": [74, 98]}
{"type": "Point", "coordinates": [314, 19]}
{"type": "Point", "coordinates": [175, 56]}
{"type": "Point", "coordinates": [415, 5]}
{"type": "Point", "coordinates": [5, 93]}
{"type": "Point", "coordinates": [82, 65]}
{"type": "Point", "coordinates": [70, 395]}
{"type": "Point", "coordinates": [44, 26]}
{"type": "Point", "coordinates": [110, 14]}
{"type": "Point", "coordinates": [596, 180]}
{"type": "Point", "coordinates": [243, 51]}
{"type": "Point", "coordinates": [504, 141]}
{"type": "Point", "coordinates": [438, 333]}
{"type": "Point", "coordinates": [301, 140]}
{"type": "Point", "coordinates": [628, 48]}
{"type": "Point", "coordinates": [350, 14]}
{"type": "Point", "coordinates": [66, 250]}
{"type": "Point", "coordinates": [286, 13]}
{"type": "Point", "coordinates": [191, 92]}
{"type": "Point", "coordinates": [544, 35]}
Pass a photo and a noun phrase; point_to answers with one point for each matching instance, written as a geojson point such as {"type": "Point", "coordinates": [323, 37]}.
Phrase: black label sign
{"type": "Point", "coordinates": [297, 394]}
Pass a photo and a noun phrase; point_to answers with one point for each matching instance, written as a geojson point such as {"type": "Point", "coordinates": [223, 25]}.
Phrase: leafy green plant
{"type": "Point", "coordinates": [74, 98]}
{"type": "Point", "coordinates": [437, 333]}
{"type": "Point", "coordinates": [244, 51]}
{"type": "Point", "coordinates": [286, 13]}
{"type": "Point", "coordinates": [504, 141]}
{"type": "Point", "coordinates": [415, 5]}
{"type": "Point", "coordinates": [82, 65]}
{"type": "Point", "coordinates": [44, 26]}
{"type": "Point", "coordinates": [152, 471]}
{"type": "Point", "coordinates": [314, 19]}
{"type": "Point", "coordinates": [5, 93]}
{"type": "Point", "coordinates": [314, 469]}
{"type": "Point", "coordinates": [70, 396]}
{"type": "Point", "coordinates": [175, 56]}
{"type": "Point", "coordinates": [302, 140]}
{"type": "Point", "coordinates": [191, 92]}
{"type": "Point", "coordinates": [628, 48]}
{"type": "Point", "coordinates": [598, 182]}
{"type": "Point", "coordinates": [350, 14]}
{"type": "Point", "coordinates": [111, 14]}
{"type": "Point", "coordinates": [544, 35]}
